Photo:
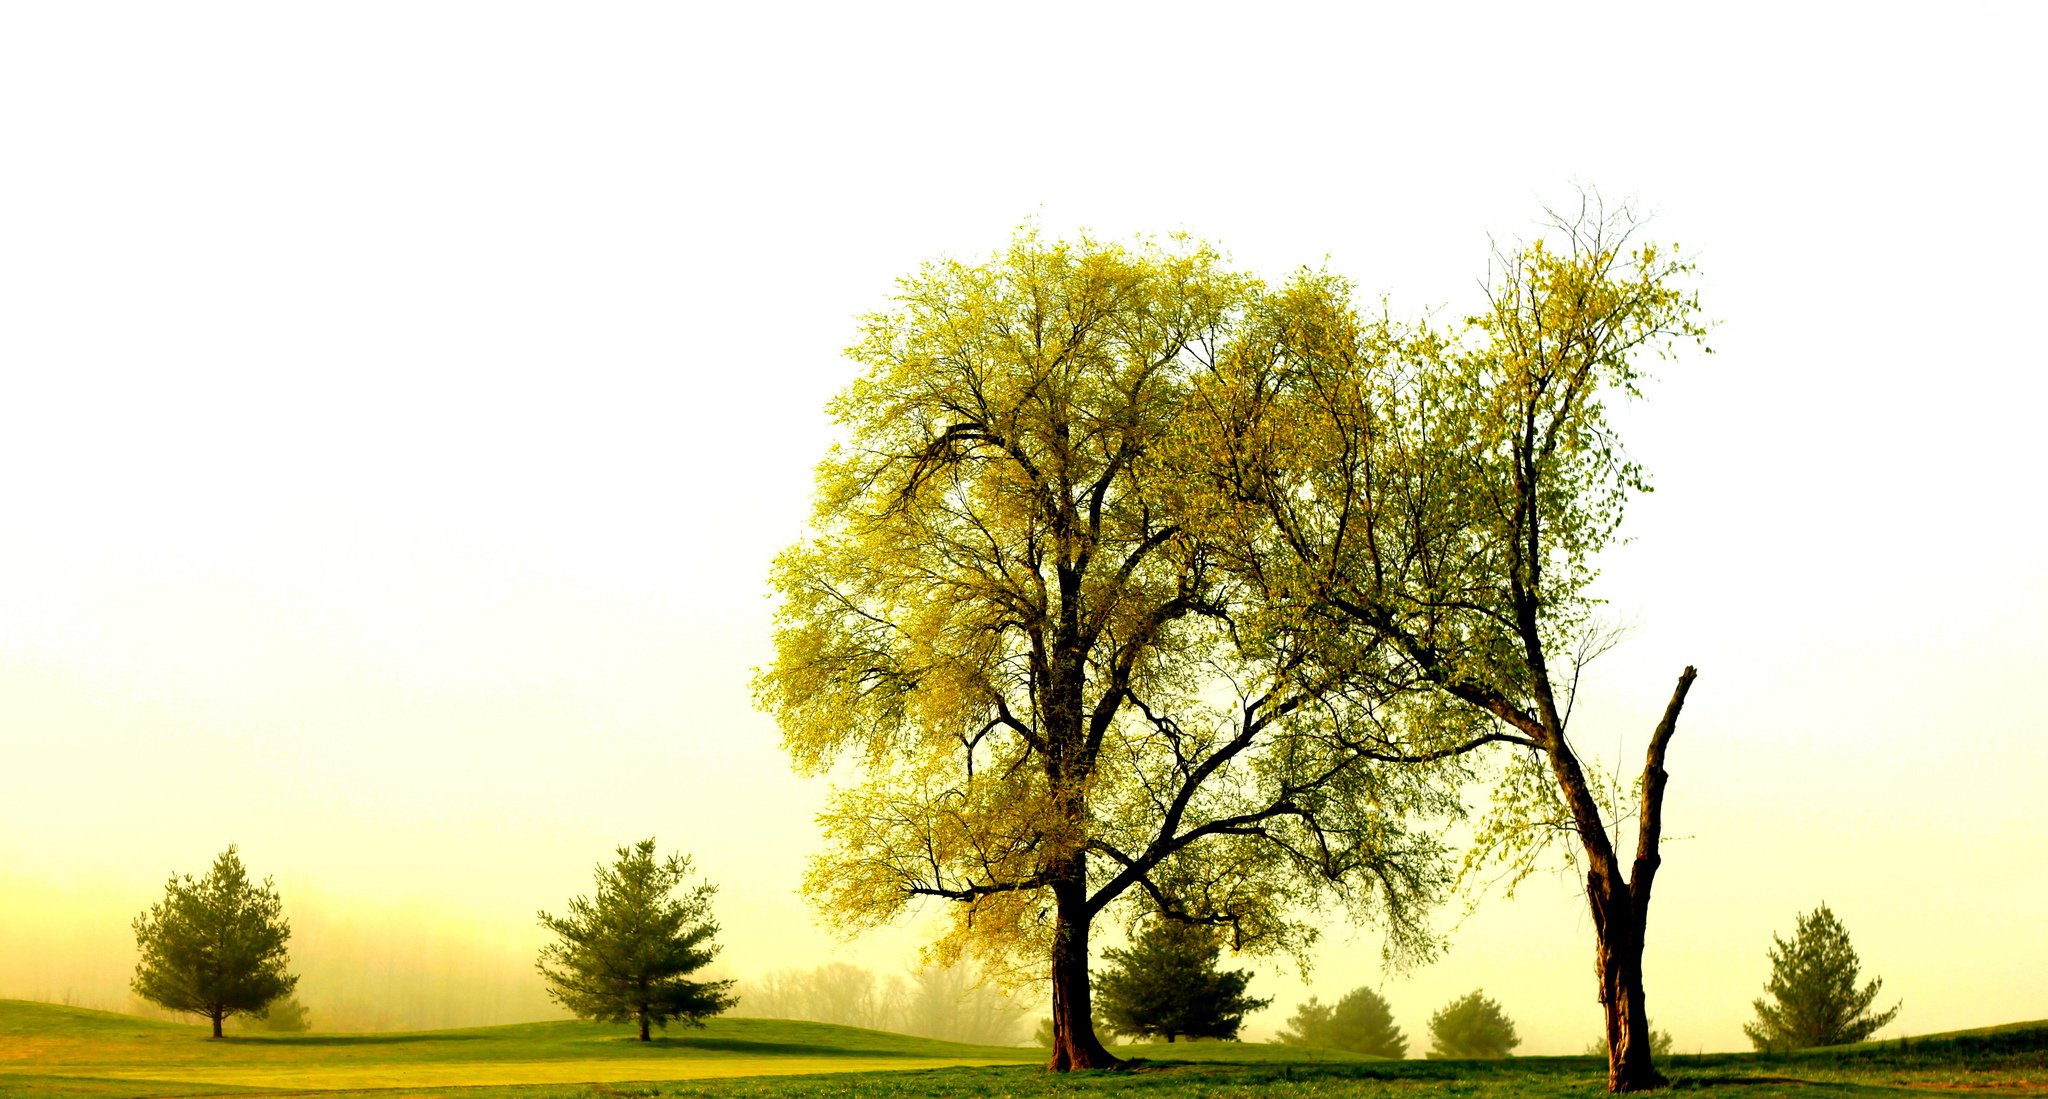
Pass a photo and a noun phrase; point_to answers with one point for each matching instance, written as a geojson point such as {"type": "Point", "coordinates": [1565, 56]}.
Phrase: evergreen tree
{"type": "Point", "coordinates": [215, 946]}
{"type": "Point", "coordinates": [1361, 1022]}
{"type": "Point", "coordinates": [1166, 984]}
{"type": "Point", "coordinates": [1814, 1000]}
{"type": "Point", "coordinates": [1309, 1025]}
{"type": "Point", "coordinates": [1471, 1026]}
{"type": "Point", "coordinates": [284, 1016]}
{"type": "Point", "coordinates": [627, 954]}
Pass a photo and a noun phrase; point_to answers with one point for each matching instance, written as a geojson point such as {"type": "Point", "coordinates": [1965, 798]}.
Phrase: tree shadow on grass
{"type": "Point", "coordinates": [330, 1040]}
{"type": "Point", "coordinates": [754, 1048]}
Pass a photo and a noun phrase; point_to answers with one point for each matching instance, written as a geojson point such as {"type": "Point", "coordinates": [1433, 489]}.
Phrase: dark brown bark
{"type": "Point", "coordinates": [1621, 908]}
{"type": "Point", "coordinates": [217, 1016]}
{"type": "Point", "coordinates": [1074, 1044]}
{"type": "Point", "coordinates": [643, 1026]}
{"type": "Point", "coordinates": [1618, 922]}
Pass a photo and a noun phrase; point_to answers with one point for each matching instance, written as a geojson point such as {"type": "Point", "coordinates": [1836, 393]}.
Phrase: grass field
{"type": "Point", "coordinates": [61, 1052]}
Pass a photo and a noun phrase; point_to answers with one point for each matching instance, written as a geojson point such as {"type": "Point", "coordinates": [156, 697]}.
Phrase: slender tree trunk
{"type": "Point", "coordinates": [1074, 1044]}
{"type": "Point", "coordinates": [1619, 923]}
{"type": "Point", "coordinates": [643, 1026]}
{"type": "Point", "coordinates": [217, 1016]}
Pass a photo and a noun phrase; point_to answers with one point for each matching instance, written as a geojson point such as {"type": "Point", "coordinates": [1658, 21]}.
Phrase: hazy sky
{"type": "Point", "coordinates": [400, 404]}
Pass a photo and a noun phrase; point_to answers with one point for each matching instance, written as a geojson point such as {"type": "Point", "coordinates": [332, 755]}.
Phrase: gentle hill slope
{"type": "Point", "coordinates": [48, 1040]}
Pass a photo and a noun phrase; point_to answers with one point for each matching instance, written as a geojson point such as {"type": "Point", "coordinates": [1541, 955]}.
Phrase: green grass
{"type": "Point", "coordinates": [51, 1052]}
{"type": "Point", "coordinates": [40, 1043]}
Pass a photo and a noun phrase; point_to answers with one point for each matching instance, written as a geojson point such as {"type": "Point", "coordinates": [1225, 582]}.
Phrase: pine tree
{"type": "Point", "coordinates": [626, 954]}
{"type": "Point", "coordinates": [214, 946]}
{"type": "Point", "coordinates": [1361, 1022]}
{"type": "Point", "coordinates": [1166, 984]}
{"type": "Point", "coordinates": [1813, 996]}
{"type": "Point", "coordinates": [1471, 1026]}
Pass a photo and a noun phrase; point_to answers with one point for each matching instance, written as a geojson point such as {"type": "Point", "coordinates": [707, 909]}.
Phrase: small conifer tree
{"type": "Point", "coordinates": [1471, 1026]}
{"type": "Point", "coordinates": [1166, 984]}
{"type": "Point", "coordinates": [214, 946]}
{"type": "Point", "coordinates": [1813, 998]}
{"type": "Point", "coordinates": [1361, 1022]}
{"type": "Point", "coordinates": [627, 954]}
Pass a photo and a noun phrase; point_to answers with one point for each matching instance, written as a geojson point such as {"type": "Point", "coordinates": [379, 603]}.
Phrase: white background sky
{"type": "Point", "coordinates": [400, 404]}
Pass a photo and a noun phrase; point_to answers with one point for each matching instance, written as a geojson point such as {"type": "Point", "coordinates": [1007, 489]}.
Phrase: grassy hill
{"type": "Point", "coordinates": [43, 1043]}
{"type": "Point", "coordinates": [53, 1052]}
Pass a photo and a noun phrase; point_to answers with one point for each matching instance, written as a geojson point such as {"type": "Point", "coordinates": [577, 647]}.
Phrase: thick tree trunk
{"type": "Point", "coordinates": [1619, 923]}
{"type": "Point", "coordinates": [217, 1017]}
{"type": "Point", "coordinates": [643, 1026]}
{"type": "Point", "coordinates": [1074, 1044]}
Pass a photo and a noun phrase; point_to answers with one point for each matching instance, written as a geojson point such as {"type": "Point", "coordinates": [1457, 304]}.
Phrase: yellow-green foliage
{"type": "Point", "coordinates": [1423, 504]}
{"type": "Point", "coordinates": [1014, 627]}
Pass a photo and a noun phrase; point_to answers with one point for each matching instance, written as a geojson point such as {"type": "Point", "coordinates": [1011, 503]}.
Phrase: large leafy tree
{"type": "Point", "coordinates": [1054, 698]}
{"type": "Point", "coordinates": [1167, 984]}
{"type": "Point", "coordinates": [1471, 1026]}
{"type": "Point", "coordinates": [215, 946]}
{"type": "Point", "coordinates": [1361, 1022]}
{"type": "Point", "coordinates": [1812, 998]}
{"type": "Point", "coordinates": [1430, 503]}
{"type": "Point", "coordinates": [628, 953]}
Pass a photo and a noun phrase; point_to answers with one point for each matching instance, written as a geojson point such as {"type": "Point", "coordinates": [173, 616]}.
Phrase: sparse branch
{"type": "Point", "coordinates": [1650, 820]}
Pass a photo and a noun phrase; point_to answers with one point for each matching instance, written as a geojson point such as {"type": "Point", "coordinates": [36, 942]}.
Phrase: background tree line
{"type": "Point", "coordinates": [950, 1002]}
{"type": "Point", "coordinates": [217, 946]}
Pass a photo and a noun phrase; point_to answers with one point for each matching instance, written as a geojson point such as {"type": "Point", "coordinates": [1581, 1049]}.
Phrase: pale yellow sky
{"type": "Point", "coordinates": [399, 407]}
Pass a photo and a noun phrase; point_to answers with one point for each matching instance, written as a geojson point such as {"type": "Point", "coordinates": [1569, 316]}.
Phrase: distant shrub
{"type": "Point", "coordinates": [1471, 1026]}
{"type": "Point", "coordinates": [1660, 1045]}
{"type": "Point", "coordinates": [1361, 1022]}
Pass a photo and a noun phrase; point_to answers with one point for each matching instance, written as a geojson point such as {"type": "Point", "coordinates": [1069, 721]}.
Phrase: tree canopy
{"type": "Point", "coordinates": [215, 946]}
{"type": "Point", "coordinates": [1054, 692]}
{"type": "Point", "coordinates": [628, 953]}
{"type": "Point", "coordinates": [1471, 1026]}
{"type": "Point", "coordinates": [1166, 984]}
{"type": "Point", "coordinates": [1812, 998]}
{"type": "Point", "coordinates": [1361, 1022]}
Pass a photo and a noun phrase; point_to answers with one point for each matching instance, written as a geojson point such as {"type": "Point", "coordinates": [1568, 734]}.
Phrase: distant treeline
{"type": "Point", "coordinates": [951, 1003]}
